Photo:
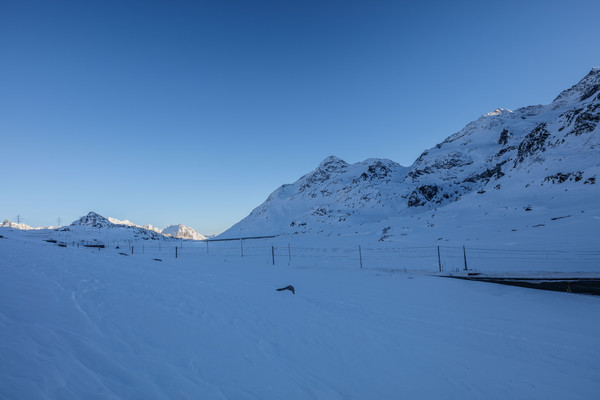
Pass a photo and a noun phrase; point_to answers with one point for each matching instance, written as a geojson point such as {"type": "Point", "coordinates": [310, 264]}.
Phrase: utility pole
{"type": "Point", "coordinates": [18, 218]}
{"type": "Point", "coordinates": [360, 255]}
{"type": "Point", "coordinates": [465, 256]}
{"type": "Point", "coordinates": [58, 222]}
{"type": "Point", "coordinates": [439, 260]}
{"type": "Point", "coordinates": [273, 254]}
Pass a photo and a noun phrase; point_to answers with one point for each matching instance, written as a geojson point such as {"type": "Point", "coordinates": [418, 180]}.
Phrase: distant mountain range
{"type": "Point", "coordinates": [509, 176]}
{"type": "Point", "coordinates": [95, 220]}
{"type": "Point", "coordinates": [22, 226]}
{"type": "Point", "coordinates": [504, 171]}
{"type": "Point", "coordinates": [178, 231]}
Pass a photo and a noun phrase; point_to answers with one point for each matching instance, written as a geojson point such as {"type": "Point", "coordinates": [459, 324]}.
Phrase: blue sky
{"type": "Point", "coordinates": [194, 112]}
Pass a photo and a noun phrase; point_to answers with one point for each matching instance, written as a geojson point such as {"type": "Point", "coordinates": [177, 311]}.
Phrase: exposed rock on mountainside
{"type": "Point", "coordinates": [496, 158]}
{"type": "Point", "coordinates": [94, 220]}
{"type": "Point", "coordinates": [97, 221]}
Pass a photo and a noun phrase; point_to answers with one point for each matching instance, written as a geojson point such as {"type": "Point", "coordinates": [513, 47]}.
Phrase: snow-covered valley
{"type": "Point", "coordinates": [106, 308]}
{"type": "Point", "coordinates": [89, 323]}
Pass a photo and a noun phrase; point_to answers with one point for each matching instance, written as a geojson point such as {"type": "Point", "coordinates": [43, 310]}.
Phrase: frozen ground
{"type": "Point", "coordinates": [80, 323]}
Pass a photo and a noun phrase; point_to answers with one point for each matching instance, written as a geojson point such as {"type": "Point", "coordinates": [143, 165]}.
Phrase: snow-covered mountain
{"type": "Point", "coordinates": [122, 222]}
{"type": "Point", "coordinates": [13, 225]}
{"type": "Point", "coordinates": [181, 231]}
{"type": "Point", "coordinates": [152, 228]}
{"type": "Point", "coordinates": [178, 231]}
{"type": "Point", "coordinates": [506, 168]}
{"type": "Point", "coordinates": [96, 225]}
{"type": "Point", "coordinates": [97, 221]}
{"type": "Point", "coordinates": [94, 220]}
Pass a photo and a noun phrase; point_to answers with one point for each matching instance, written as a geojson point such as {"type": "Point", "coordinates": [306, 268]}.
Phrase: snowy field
{"type": "Point", "coordinates": [78, 323]}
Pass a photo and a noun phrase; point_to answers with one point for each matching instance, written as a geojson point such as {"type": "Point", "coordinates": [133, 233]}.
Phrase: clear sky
{"type": "Point", "coordinates": [172, 111]}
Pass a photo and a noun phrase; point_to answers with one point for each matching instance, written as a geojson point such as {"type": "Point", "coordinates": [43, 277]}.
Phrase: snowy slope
{"type": "Point", "coordinates": [508, 171]}
{"type": "Point", "coordinates": [14, 225]}
{"type": "Point", "coordinates": [8, 224]}
{"type": "Point", "coordinates": [78, 324]}
{"type": "Point", "coordinates": [152, 228]}
{"type": "Point", "coordinates": [122, 222]}
{"type": "Point", "coordinates": [181, 231]}
{"type": "Point", "coordinates": [93, 226]}
{"type": "Point", "coordinates": [94, 220]}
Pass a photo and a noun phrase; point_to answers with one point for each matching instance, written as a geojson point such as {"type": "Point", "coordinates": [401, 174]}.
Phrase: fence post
{"type": "Point", "coordinates": [465, 256]}
{"type": "Point", "coordinates": [131, 249]}
{"type": "Point", "coordinates": [242, 247]}
{"type": "Point", "coordinates": [207, 247]}
{"type": "Point", "coordinates": [439, 260]}
{"type": "Point", "coordinates": [273, 254]}
{"type": "Point", "coordinates": [175, 251]}
{"type": "Point", "coordinates": [360, 255]}
{"type": "Point", "coordinates": [289, 253]}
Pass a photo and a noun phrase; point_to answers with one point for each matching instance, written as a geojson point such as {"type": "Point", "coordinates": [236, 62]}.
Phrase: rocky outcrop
{"type": "Point", "coordinates": [517, 149]}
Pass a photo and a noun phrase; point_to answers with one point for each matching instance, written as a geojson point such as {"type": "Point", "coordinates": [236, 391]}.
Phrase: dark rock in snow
{"type": "Point", "coordinates": [533, 143]}
{"type": "Point", "coordinates": [421, 195]}
{"type": "Point", "coordinates": [504, 135]}
{"type": "Point", "coordinates": [288, 287]}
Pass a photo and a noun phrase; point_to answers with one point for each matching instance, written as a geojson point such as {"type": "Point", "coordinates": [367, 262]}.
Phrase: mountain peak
{"type": "Point", "coordinates": [588, 86]}
{"type": "Point", "coordinates": [125, 222]}
{"type": "Point", "coordinates": [332, 160]}
{"type": "Point", "coordinates": [14, 225]}
{"type": "Point", "coordinates": [181, 231]}
{"type": "Point", "coordinates": [498, 111]}
{"type": "Point", "coordinates": [501, 158]}
{"type": "Point", "coordinates": [331, 164]}
{"type": "Point", "coordinates": [94, 220]}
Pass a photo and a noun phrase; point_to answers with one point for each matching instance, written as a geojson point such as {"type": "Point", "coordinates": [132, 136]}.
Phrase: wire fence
{"type": "Point", "coordinates": [388, 256]}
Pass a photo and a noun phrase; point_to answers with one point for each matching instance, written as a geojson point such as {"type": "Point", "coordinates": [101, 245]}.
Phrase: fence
{"type": "Point", "coordinates": [388, 256]}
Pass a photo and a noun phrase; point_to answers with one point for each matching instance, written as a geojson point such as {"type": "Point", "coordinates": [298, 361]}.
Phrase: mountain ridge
{"type": "Point", "coordinates": [503, 152]}
{"type": "Point", "coordinates": [178, 231]}
{"type": "Point", "coordinates": [97, 221]}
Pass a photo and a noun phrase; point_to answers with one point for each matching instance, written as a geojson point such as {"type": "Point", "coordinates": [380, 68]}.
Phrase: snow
{"type": "Point", "coordinates": [151, 316]}
{"type": "Point", "coordinates": [181, 231]}
{"type": "Point", "coordinates": [473, 187]}
{"type": "Point", "coordinates": [8, 224]}
{"type": "Point", "coordinates": [122, 222]}
{"type": "Point", "coordinates": [80, 323]}
{"type": "Point", "coordinates": [497, 111]}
